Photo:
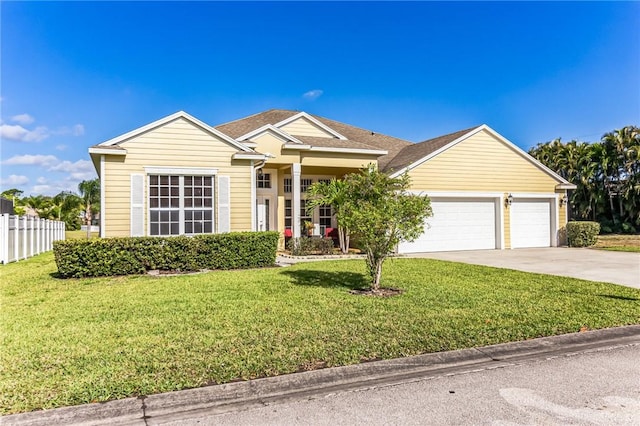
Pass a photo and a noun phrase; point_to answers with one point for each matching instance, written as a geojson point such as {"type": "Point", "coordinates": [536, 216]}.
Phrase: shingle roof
{"type": "Point", "coordinates": [356, 136]}
{"type": "Point", "coordinates": [414, 152]}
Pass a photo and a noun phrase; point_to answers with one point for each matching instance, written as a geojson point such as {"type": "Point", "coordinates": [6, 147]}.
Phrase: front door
{"type": "Point", "coordinates": [265, 217]}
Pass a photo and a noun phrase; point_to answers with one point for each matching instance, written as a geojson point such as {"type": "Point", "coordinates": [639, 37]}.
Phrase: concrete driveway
{"type": "Point", "coordinates": [588, 264]}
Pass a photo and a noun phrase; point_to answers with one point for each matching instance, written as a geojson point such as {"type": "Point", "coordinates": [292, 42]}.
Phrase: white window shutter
{"type": "Point", "coordinates": [137, 205]}
{"type": "Point", "coordinates": [224, 204]}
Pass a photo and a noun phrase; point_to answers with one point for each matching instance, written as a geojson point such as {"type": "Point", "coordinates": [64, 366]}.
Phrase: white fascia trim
{"type": "Point", "coordinates": [349, 150]}
{"type": "Point", "coordinates": [457, 194]}
{"type": "Point", "coordinates": [185, 171]}
{"type": "Point", "coordinates": [297, 147]}
{"type": "Point", "coordinates": [270, 128]}
{"type": "Point", "coordinates": [313, 120]}
{"type": "Point", "coordinates": [565, 186]}
{"type": "Point", "coordinates": [248, 156]}
{"type": "Point", "coordinates": [103, 151]}
{"type": "Point", "coordinates": [541, 195]}
{"type": "Point", "coordinates": [172, 117]}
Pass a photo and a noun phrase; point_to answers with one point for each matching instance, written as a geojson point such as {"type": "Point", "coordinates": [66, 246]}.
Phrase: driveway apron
{"type": "Point", "coordinates": [588, 264]}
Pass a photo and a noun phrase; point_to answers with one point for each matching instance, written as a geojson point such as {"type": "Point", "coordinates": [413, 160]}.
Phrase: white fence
{"type": "Point", "coordinates": [24, 236]}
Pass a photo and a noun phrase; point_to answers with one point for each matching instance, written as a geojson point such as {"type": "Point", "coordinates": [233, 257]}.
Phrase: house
{"type": "Point", "coordinates": [179, 175]}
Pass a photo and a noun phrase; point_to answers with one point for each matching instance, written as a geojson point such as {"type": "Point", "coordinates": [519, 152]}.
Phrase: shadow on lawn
{"type": "Point", "coordinates": [348, 280]}
{"type": "Point", "coordinates": [608, 296]}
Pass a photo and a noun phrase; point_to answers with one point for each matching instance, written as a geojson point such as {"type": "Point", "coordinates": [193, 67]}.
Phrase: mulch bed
{"type": "Point", "coordinates": [381, 292]}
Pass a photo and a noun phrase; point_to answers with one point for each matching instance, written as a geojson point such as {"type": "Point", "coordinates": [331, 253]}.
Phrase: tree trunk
{"type": "Point", "coordinates": [377, 268]}
{"type": "Point", "coordinates": [88, 220]}
{"type": "Point", "coordinates": [343, 239]}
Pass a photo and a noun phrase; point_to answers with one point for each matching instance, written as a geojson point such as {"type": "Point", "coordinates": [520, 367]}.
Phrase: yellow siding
{"type": "Point", "coordinates": [267, 142]}
{"type": "Point", "coordinates": [481, 163]}
{"type": "Point", "coordinates": [337, 159]}
{"type": "Point", "coordinates": [177, 144]}
{"type": "Point", "coordinates": [304, 127]}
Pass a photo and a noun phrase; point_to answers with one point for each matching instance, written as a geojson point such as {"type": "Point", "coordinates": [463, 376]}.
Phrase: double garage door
{"type": "Point", "coordinates": [474, 224]}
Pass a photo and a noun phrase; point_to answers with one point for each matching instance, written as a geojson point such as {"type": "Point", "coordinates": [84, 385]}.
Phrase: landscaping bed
{"type": "Point", "coordinates": [614, 242]}
{"type": "Point", "coordinates": [74, 341]}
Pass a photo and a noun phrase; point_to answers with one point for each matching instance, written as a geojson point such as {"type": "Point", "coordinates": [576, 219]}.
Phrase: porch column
{"type": "Point", "coordinates": [295, 217]}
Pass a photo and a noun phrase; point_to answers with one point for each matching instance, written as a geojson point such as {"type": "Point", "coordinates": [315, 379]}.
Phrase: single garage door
{"type": "Point", "coordinates": [457, 224]}
{"type": "Point", "coordinates": [530, 223]}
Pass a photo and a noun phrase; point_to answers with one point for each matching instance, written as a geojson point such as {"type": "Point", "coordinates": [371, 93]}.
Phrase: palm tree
{"type": "Point", "coordinates": [331, 193]}
{"type": "Point", "coordinates": [66, 207]}
{"type": "Point", "coordinates": [90, 194]}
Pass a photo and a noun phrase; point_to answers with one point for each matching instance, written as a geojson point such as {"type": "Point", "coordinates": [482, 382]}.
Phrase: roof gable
{"type": "Point", "coordinates": [166, 120]}
{"type": "Point", "coordinates": [432, 147]}
{"type": "Point", "coordinates": [303, 124]}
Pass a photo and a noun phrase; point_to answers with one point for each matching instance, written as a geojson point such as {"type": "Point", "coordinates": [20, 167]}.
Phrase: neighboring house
{"type": "Point", "coordinates": [179, 175]}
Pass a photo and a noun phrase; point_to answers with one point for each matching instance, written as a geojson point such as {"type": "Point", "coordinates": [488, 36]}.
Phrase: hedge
{"type": "Point", "coordinates": [582, 234]}
{"type": "Point", "coordinates": [136, 255]}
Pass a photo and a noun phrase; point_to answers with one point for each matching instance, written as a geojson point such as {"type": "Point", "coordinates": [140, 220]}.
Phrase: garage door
{"type": "Point", "coordinates": [457, 224]}
{"type": "Point", "coordinates": [530, 223]}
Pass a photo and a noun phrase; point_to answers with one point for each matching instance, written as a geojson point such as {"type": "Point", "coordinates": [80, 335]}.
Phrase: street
{"type": "Point", "coordinates": [593, 388]}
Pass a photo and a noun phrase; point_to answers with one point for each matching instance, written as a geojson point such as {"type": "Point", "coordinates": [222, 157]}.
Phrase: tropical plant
{"type": "Point", "coordinates": [14, 195]}
{"type": "Point", "coordinates": [331, 193]}
{"type": "Point", "coordinates": [90, 195]}
{"type": "Point", "coordinates": [380, 211]}
{"type": "Point", "coordinates": [606, 174]}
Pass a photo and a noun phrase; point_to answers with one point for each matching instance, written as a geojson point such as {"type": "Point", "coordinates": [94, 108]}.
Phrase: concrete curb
{"type": "Point", "coordinates": [159, 408]}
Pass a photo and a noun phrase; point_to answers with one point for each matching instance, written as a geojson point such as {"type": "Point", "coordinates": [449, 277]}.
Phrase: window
{"type": "Point", "coordinates": [263, 180]}
{"type": "Point", "coordinates": [288, 185]}
{"type": "Point", "coordinates": [288, 213]}
{"type": "Point", "coordinates": [305, 184]}
{"type": "Point", "coordinates": [325, 216]}
{"type": "Point", "coordinates": [180, 205]}
{"type": "Point", "coordinates": [304, 216]}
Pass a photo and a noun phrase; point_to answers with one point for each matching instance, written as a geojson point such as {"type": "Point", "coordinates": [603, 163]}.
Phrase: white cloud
{"type": "Point", "coordinates": [313, 94]}
{"type": "Point", "coordinates": [14, 180]}
{"type": "Point", "coordinates": [61, 147]}
{"type": "Point", "coordinates": [18, 133]}
{"type": "Point", "coordinates": [69, 167]}
{"type": "Point", "coordinates": [32, 160]}
{"type": "Point", "coordinates": [23, 119]}
{"type": "Point", "coordinates": [41, 180]}
{"type": "Point", "coordinates": [78, 130]}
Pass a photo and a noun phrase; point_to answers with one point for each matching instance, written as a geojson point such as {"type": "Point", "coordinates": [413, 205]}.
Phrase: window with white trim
{"type": "Point", "coordinates": [325, 216]}
{"type": "Point", "coordinates": [180, 205]}
{"type": "Point", "coordinates": [305, 184]}
{"type": "Point", "coordinates": [287, 213]}
{"type": "Point", "coordinates": [263, 180]}
{"type": "Point", "coordinates": [288, 185]}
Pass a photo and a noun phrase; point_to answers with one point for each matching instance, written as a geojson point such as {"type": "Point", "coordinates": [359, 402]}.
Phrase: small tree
{"type": "Point", "coordinates": [332, 193]}
{"type": "Point", "coordinates": [381, 212]}
{"type": "Point", "coordinates": [90, 194]}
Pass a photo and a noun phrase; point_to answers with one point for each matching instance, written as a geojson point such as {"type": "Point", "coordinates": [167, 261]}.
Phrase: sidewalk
{"type": "Point", "coordinates": [165, 407]}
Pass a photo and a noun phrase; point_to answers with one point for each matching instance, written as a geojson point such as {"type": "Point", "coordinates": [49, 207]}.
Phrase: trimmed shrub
{"type": "Point", "coordinates": [582, 234]}
{"type": "Point", "coordinates": [135, 255]}
{"type": "Point", "coordinates": [306, 246]}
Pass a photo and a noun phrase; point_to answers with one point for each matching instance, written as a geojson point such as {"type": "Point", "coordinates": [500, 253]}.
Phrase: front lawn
{"type": "Point", "coordinates": [618, 242]}
{"type": "Point", "coordinates": [66, 342]}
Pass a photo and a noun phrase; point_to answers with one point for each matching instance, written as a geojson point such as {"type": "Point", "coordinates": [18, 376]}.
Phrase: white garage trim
{"type": "Point", "coordinates": [496, 199]}
{"type": "Point", "coordinates": [552, 200]}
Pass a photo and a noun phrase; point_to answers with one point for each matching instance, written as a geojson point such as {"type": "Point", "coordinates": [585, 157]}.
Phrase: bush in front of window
{"type": "Point", "coordinates": [136, 255]}
{"type": "Point", "coordinates": [305, 246]}
{"type": "Point", "coordinates": [582, 234]}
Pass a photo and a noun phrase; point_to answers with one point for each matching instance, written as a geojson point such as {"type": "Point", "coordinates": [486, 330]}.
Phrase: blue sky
{"type": "Point", "coordinates": [75, 74]}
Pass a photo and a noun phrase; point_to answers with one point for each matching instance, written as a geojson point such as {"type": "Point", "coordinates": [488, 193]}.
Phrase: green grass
{"type": "Point", "coordinates": [67, 342]}
{"type": "Point", "coordinates": [80, 235]}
